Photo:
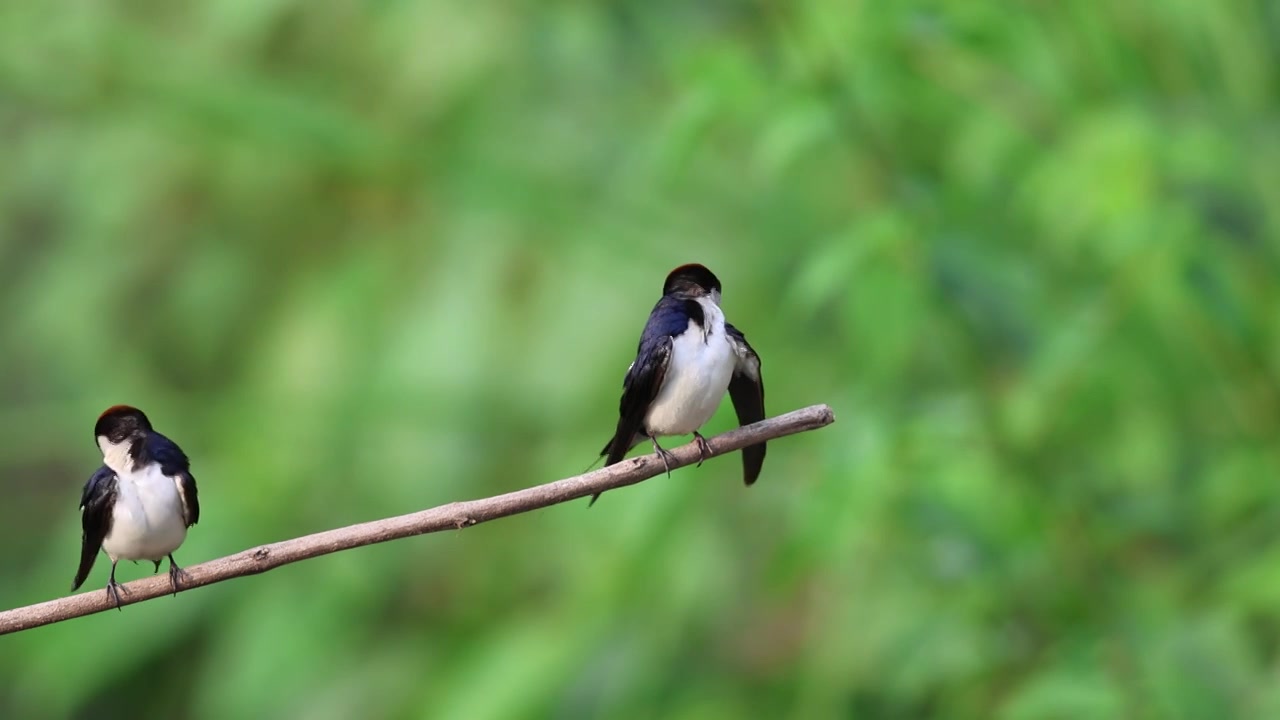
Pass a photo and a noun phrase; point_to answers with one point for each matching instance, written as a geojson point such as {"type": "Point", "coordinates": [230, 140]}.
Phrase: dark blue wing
{"type": "Point", "coordinates": [159, 449]}
{"type": "Point", "coordinates": [670, 317]}
{"type": "Point", "coordinates": [96, 505]}
{"type": "Point", "coordinates": [746, 389]}
{"type": "Point", "coordinates": [190, 500]}
{"type": "Point", "coordinates": [174, 463]}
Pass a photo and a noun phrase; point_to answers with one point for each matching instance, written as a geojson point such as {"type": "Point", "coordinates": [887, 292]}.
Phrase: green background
{"type": "Point", "coordinates": [360, 259]}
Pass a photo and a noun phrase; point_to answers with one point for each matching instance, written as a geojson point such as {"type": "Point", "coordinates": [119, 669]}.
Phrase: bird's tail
{"type": "Point", "coordinates": [613, 451]}
{"type": "Point", "coordinates": [88, 555]}
{"type": "Point", "coordinates": [604, 451]}
{"type": "Point", "coordinates": [616, 448]}
{"type": "Point", "coordinates": [588, 468]}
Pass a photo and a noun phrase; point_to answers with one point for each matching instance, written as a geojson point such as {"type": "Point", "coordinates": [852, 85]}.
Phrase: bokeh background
{"type": "Point", "coordinates": [365, 258]}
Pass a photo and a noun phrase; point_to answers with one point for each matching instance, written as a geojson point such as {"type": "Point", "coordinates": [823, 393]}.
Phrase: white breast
{"type": "Point", "coordinates": [697, 377]}
{"type": "Point", "coordinates": [147, 522]}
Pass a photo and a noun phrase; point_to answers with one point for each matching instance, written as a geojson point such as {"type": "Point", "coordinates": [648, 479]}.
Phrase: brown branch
{"type": "Point", "coordinates": [453, 516]}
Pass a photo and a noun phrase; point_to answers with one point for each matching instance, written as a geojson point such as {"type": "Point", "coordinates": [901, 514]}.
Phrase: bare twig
{"type": "Point", "coordinates": [453, 516]}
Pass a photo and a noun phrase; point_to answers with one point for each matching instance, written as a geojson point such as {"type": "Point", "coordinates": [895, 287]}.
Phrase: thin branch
{"type": "Point", "coordinates": [453, 516]}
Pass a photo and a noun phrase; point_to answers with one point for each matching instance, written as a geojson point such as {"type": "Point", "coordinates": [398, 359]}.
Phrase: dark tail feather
{"type": "Point", "coordinates": [604, 451]}
{"type": "Point", "coordinates": [752, 461]}
{"type": "Point", "coordinates": [614, 451]}
{"type": "Point", "coordinates": [587, 469]}
{"type": "Point", "coordinates": [87, 557]}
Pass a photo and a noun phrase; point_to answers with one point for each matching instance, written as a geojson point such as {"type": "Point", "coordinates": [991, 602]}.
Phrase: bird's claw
{"type": "Point", "coordinates": [113, 592]}
{"type": "Point", "coordinates": [704, 448]}
{"type": "Point", "coordinates": [664, 455]}
{"type": "Point", "coordinates": [177, 577]}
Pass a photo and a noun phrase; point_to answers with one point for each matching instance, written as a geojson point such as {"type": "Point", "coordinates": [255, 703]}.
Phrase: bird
{"type": "Point", "coordinates": [140, 503]}
{"type": "Point", "coordinates": [688, 356]}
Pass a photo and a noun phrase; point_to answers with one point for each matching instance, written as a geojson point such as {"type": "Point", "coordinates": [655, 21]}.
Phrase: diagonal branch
{"type": "Point", "coordinates": [453, 516]}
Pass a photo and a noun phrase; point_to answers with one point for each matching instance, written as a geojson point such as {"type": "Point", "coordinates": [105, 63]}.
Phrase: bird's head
{"type": "Point", "coordinates": [692, 281]}
{"type": "Point", "coordinates": [120, 424]}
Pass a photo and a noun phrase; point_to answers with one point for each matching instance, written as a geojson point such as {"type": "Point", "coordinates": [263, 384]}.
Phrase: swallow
{"type": "Point", "coordinates": [688, 356]}
{"type": "Point", "coordinates": [139, 504]}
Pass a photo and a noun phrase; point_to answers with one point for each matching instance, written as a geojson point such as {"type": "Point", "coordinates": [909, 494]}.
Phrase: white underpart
{"type": "Point", "coordinates": [697, 378]}
{"type": "Point", "coordinates": [148, 519]}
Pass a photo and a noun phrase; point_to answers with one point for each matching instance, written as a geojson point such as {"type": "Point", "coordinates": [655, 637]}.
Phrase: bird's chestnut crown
{"type": "Point", "coordinates": [692, 280]}
{"type": "Point", "coordinates": [119, 422]}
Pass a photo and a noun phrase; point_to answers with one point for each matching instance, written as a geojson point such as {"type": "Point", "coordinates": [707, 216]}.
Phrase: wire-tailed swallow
{"type": "Point", "coordinates": [139, 504]}
{"type": "Point", "coordinates": [688, 356]}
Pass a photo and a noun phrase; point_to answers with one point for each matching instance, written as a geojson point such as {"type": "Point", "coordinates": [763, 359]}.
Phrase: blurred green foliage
{"type": "Point", "coordinates": [365, 258]}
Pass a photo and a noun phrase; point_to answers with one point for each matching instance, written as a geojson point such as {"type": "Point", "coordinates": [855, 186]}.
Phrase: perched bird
{"type": "Point", "coordinates": [139, 504]}
{"type": "Point", "coordinates": [688, 356]}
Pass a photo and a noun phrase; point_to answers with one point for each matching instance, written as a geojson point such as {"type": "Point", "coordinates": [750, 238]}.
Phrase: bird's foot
{"type": "Point", "coordinates": [594, 498]}
{"type": "Point", "coordinates": [666, 457]}
{"type": "Point", "coordinates": [113, 592]}
{"type": "Point", "coordinates": [177, 576]}
{"type": "Point", "coordinates": [704, 449]}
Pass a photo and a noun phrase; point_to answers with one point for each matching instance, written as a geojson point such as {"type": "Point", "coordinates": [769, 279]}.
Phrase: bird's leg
{"type": "Point", "coordinates": [157, 562]}
{"type": "Point", "coordinates": [662, 454]}
{"type": "Point", "coordinates": [113, 587]}
{"type": "Point", "coordinates": [177, 575]}
{"type": "Point", "coordinates": [704, 450]}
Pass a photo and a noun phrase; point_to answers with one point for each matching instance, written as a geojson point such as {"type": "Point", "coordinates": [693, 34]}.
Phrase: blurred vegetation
{"type": "Point", "coordinates": [365, 258]}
